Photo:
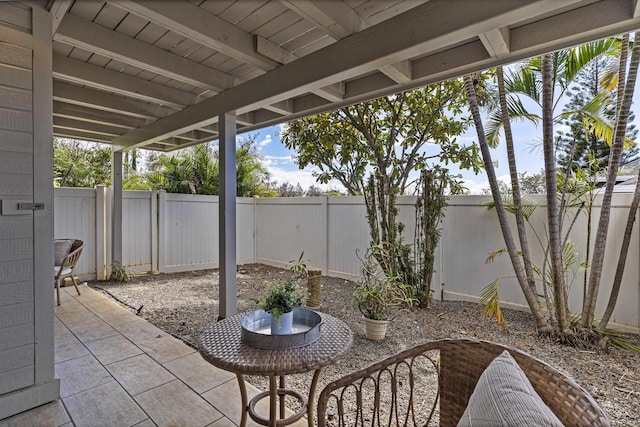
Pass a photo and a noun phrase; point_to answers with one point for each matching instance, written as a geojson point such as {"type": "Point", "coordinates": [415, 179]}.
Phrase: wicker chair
{"type": "Point", "coordinates": [400, 383]}
{"type": "Point", "coordinates": [64, 268]}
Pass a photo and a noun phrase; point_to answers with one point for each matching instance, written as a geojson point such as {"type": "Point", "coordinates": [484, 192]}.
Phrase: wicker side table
{"type": "Point", "coordinates": [221, 345]}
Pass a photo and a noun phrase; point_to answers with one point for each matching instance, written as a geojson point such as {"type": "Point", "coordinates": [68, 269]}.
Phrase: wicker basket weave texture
{"type": "Point", "coordinates": [461, 364]}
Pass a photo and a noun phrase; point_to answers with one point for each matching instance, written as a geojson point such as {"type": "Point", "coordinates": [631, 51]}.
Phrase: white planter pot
{"type": "Point", "coordinates": [375, 330]}
{"type": "Point", "coordinates": [286, 324]}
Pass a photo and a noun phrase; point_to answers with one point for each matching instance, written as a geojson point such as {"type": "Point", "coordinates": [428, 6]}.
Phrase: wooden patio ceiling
{"type": "Point", "coordinates": [157, 74]}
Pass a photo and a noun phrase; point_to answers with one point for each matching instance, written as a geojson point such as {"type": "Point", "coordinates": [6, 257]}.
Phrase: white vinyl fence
{"type": "Point", "coordinates": [176, 232]}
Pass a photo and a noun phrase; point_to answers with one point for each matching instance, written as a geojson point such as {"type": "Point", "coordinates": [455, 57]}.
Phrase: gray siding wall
{"type": "Point", "coordinates": [16, 231]}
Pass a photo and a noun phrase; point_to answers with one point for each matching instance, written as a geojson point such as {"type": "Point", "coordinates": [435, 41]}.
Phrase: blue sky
{"type": "Point", "coordinates": [280, 161]}
{"type": "Point", "coordinates": [527, 139]}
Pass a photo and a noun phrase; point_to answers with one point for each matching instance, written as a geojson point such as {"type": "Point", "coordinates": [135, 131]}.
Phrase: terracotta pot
{"type": "Point", "coordinates": [286, 324]}
{"type": "Point", "coordinates": [375, 330]}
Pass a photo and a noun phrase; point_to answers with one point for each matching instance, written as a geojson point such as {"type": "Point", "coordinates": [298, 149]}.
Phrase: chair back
{"type": "Point", "coordinates": [71, 259]}
{"type": "Point", "coordinates": [440, 377]}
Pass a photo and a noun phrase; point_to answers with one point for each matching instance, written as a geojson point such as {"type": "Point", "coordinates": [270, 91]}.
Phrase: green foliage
{"type": "Point", "coordinates": [374, 294]}
{"type": "Point", "coordinates": [196, 171]}
{"type": "Point", "coordinates": [299, 266]}
{"type": "Point", "coordinates": [388, 134]}
{"type": "Point", "coordinates": [283, 297]}
{"type": "Point", "coordinates": [120, 273]}
{"type": "Point", "coordinates": [430, 206]}
{"type": "Point", "coordinates": [490, 299]}
{"type": "Point", "coordinates": [80, 164]}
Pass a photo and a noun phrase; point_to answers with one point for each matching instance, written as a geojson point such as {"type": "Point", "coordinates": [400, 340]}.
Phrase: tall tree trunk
{"type": "Point", "coordinates": [621, 125]}
{"type": "Point", "coordinates": [515, 183]}
{"type": "Point", "coordinates": [530, 296]}
{"type": "Point", "coordinates": [553, 209]}
{"type": "Point", "coordinates": [617, 143]}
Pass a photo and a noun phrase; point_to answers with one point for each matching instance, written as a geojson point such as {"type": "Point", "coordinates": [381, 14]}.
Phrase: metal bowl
{"type": "Point", "coordinates": [256, 330]}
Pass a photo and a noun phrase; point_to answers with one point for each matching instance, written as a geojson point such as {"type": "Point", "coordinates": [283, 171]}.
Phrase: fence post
{"type": "Point", "coordinates": [161, 227]}
{"type": "Point", "coordinates": [325, 228]}
{"type": "Point", "coordinates": [154, 231]}
{"type": "Point", "coordinates": [108, 227]}
{"type": "Point", "coordinates": [101, 232]}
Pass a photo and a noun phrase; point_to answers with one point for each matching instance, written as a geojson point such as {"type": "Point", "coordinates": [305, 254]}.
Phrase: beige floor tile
{"type": "Point", "coordinates": [92, 330]}
{"type": "Point", "coordinates": [164, 348]}
{"type": "Point", "coordinates": [223, 422]}
{"type": "Point", "coordinates": [101, 305]}
{"type": "Point", "coordinates": [139, 374]}
{"type": "Point", "coordinates": [139, 330]}
{"type": "Point", "coordinates": [176, 404]}
{"type": "Point", "coordinates": [117, 316]}
{"type": "Point", "coordinates": [52, 414]}
{"type": "Point", "coordinates": [69, 347]}
{"type": "Point", "coordinates": [80, 374]}
{"type": "Point", "coordinates": [146, 423]}
{"type": "Point", "coordinates": [197, 373]}
{"type": "Point", "coordinates": [113, 349]}
{"type": "Point", "coordinates": [105, 405]}
{"type": "Point", "coordinates": [60, 329]}
{"type": "Point", "coordinates": [226, 399]}
{"type": "Point", "coordinates": [76, 316]}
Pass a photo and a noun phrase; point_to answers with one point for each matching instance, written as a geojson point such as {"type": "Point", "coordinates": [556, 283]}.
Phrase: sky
{"type": "Point", "coordinates": [280, 162]}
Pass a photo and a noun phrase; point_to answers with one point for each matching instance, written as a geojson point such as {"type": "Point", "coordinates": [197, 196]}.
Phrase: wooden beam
{"type": "Point", "coordinates": [94, 76]}
{"type": "Point", "coordinates": [104, 101]}
{"type": "Point", "coordinates": [333, 17]}
{"type": "Point", "coordinates": [497, 42]}
{"type": "Point", "coordinates": [82, 136]}
{"type": "Point", "coordinates": [58, 10]}
{"type": "Point", "coordinates": [199, 25]}
{"type": "Point", "coordinates": [82, 126]}
{"type": "Point", "coordinates": [89, 115]}
{"type": "Point", "coordinates": [87, 35]}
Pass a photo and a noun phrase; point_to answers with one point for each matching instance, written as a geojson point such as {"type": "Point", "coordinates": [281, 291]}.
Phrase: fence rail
{"type": "Point", "coordinates": [176, 232]}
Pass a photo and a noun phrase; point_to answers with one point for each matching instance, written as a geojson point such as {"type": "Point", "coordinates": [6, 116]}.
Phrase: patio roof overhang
{"type": "Point", "coordinates": [159, 74]}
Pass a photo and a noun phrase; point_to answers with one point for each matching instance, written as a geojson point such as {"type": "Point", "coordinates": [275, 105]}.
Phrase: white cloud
{"type": "Point", "coordinates": [477, 186]}
{"type": "Point", "coordinates": [283, 169]}
{"type": "Point", "coordinates": [266, 141]}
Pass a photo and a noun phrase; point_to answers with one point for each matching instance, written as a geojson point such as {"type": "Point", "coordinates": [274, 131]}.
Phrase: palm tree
{"type": "Point", "coordinates": [625, 95]}
{"type": "Point", "coordinates": [530, 295]}
{"type": "Point", "coordinates": [544, 80]}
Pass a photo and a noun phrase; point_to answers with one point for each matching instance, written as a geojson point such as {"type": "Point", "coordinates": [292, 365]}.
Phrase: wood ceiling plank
{"type": "Point", "coordinates": [113, 81]}
{"type": "Point", "coordinates": [202, 27]}
{"type": "Point", "coordinates": [81, 33]}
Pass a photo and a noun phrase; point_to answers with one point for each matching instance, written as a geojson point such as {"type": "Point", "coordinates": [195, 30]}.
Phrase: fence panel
{"type": "Point", "coordinates": [75, 217]}
{"type": "Point", "coordinates": [289, 226]}
{"type": "Point", "coordinates": [330, 230]}
{"type": "Point", "coordinates": [137, 230]}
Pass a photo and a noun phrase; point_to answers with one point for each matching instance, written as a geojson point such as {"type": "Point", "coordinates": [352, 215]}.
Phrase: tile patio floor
{"type": "Point", "coordinates": [118, 370]}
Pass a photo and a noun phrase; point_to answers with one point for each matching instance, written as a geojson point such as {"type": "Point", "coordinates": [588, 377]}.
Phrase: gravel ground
{"type": "Point", "coordinates": [184, 304]}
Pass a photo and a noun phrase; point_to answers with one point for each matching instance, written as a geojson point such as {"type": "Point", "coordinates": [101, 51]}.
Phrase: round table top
{"type": "Point", "coordinates": [222, 346]}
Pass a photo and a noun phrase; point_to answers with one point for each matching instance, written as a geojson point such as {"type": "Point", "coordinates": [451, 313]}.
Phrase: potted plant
{"type": "Point", "coordinates": [373, 297]}
{"type": "Point", "coordinates": [280, 300]}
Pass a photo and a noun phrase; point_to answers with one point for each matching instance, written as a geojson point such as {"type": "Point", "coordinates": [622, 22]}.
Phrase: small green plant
{"type": "Point", "coordinates": [282, 298]}
{"type": "Point", "coordinates": [299, 266]}
{"type": "Point", "coordinates": [120, 273]}
{"type": "Point", "coordinates": [375, 293]}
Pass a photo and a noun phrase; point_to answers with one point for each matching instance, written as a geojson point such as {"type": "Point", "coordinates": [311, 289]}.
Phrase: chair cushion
{"type": "Point", "coordinates": [61, 249]}
{"type": "Point", "coordinates": [504, 396]}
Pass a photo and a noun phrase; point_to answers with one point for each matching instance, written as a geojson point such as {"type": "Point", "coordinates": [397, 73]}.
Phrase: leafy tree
{"type": "Point", "coordinates": [288, 190]}
{"type": "Point", "coordinates": [196, 171]}
{"type": "Point", "coordinates": [80, 164]}
{"type": "Point", "coordinates": [372, 149]}
{"type": "Point", "coordinates": [393, 135]}
{"type": "Point", "coordinates": [576, 144]}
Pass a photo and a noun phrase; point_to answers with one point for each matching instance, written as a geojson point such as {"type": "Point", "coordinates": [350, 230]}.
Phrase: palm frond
{"type": "Point", "coordinates": [489, 297]}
